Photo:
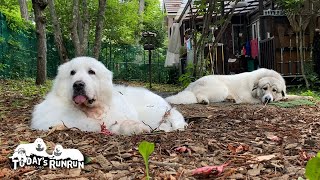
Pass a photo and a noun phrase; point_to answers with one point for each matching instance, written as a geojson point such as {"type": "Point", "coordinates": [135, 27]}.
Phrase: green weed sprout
{"type": "Point", "coordinates": [313, 168]}
{"type": "Point", "coordinates": [146, 149]}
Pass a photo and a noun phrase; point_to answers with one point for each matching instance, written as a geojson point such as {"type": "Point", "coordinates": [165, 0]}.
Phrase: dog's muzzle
{"type": "Point", "coordinates": [267, 99]}
{"type": "Point", "coordinates": [79, 93]}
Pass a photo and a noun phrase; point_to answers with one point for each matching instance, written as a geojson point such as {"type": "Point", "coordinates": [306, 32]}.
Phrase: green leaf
{"type": "Point", "coordinates": [145, 149]}
{"type": "Point", "coordinates": [313, 168]}
{"type": "Point", "coordinates": [87, 159]}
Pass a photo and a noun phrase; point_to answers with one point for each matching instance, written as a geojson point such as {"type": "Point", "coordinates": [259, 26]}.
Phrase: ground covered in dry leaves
{"type": "Point", "coordinates": [250, 141]}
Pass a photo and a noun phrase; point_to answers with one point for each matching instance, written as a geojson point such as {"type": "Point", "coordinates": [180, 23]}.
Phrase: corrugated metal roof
{"type": "Point", "coordinates": [172, 6]}
{"type": "Point", "coordinates": [175, 7]}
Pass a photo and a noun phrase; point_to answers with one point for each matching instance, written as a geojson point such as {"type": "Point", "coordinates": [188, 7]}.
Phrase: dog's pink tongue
{"type": "Point", "coordinates": [79, 99]}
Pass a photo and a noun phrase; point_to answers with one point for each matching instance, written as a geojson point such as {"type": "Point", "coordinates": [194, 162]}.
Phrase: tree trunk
{"type": "Point", "coordinates": [62, 51]}
{"type": "Point", "coordinates": [141, 7]}
{"type": "Point", "coordinates": [24, 9]}
{"type": "Point", "coordinates": [140, 13]}
{"type": "Point", "coordinates": [301, 52]}
{"type": "Point", "coordinates": [99, 28]}
{"type": "Point", "coordinates": [38, 7]}
{"type": "Point", "coordinates": [205, 31]}
{"type": "Point", "coordinates": [85, 29]}
{"type": "Point", "coordinates": [74, 28]}
{"type": "Point", "coordinates": [80, 27]}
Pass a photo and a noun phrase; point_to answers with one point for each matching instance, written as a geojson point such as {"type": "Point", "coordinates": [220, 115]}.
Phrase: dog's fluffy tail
{"type": "Point", "coordinates": [184, 97]}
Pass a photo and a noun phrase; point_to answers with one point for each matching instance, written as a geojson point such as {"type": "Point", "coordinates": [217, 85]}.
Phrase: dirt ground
{"type": "Point", "coordinates": [252, 141]}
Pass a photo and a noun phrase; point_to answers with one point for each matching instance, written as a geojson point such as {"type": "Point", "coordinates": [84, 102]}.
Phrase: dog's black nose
{"type": "Point", "coordinates": [267, 99]}
{"type": "Point", "coordinates": [78, 85]}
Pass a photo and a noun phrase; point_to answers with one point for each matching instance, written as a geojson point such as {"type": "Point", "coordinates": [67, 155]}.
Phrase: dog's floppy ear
{"type": "Point", "coordinates": [254, 89]}
{"type": "Point", "coordinates": [60, 82]}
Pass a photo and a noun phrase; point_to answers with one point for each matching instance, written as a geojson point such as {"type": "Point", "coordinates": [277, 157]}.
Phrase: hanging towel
{"type": "Point", "coordinates": [248, 49]}
{"type": "Point", "coordinates": [172, 58]}
{"type": "Point", "coordinates": [189, 46]}
{"type": "Point", "coordinates": [254, 48]}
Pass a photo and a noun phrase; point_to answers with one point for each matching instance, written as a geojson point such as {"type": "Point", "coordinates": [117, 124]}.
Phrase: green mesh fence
{"type": "Point", "coordinates": [18, 57]}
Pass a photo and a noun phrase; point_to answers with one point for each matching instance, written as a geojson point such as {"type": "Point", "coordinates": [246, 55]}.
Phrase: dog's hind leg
{"type": "Point", "coordinates": [202, 99]}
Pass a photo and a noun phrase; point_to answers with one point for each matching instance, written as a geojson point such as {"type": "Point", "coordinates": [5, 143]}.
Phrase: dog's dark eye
{"type": "Point", "coordinates": [91, 72]}
{"type": "Point", "coordinates": [73, 72]}
{"type": "Point", "coordinates": [274, 90]}
{"type": "Point", "coordinates": [265, 88]}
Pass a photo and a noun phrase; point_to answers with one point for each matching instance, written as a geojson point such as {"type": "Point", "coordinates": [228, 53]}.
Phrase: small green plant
{"type": "Point", "coordinates": [187, 78]}
{"type": "Point", "coordinates": [145, 149]}
{"type": "Point", "coordinates": [313, 168]}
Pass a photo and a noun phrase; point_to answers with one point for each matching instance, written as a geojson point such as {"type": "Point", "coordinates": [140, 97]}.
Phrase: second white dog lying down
{"type": "Point", "coordinates": [259, 86]}
{"type": "Point", "coordinates": [83, 96]}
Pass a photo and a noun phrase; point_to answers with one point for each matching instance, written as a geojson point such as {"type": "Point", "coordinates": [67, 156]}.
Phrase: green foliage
{"type": "Point", "coordinates": [3, 67]}
{"type": "Point", "coordinates": [312, 76]}
{"type": "Point", "coordinates": [153, 22]}
{"type": "Point", "coordinates": [2, 39]}
{"type": "Point", "coordinates": [186, 78]}
{"type": "Point", "coordinates": [313, 168]}
{"type": "Point", "coordinates": [310, 93]}
{"type": "Point", "coordinates": [121, 21]}
{"type": "Point", "coordinates": [27, 88]}
{"type": "Point", "coordinates": [294, 103]}
{"type": "Point", "coordinates": [145, 149]}
{"type": "Point", "coordinates": [11, 10]}
{"type": "Point", "coordinates": [290, 6]}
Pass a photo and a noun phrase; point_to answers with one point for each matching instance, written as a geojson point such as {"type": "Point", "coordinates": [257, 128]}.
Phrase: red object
{"type": "Point", "coordinates": [104, 130]}
{"type": "Point", "coordinates": [208, 169]}
{"type": "Point", "coordinates": [244, 51]}
{"type": "Point", "coordinates": [254, 48]}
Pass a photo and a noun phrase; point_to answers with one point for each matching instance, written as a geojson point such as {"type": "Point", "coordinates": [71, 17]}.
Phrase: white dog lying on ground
{"type": "Point", "coordinates": [84, 96]}
{"type": "Point", "coordinates": [262, 85]}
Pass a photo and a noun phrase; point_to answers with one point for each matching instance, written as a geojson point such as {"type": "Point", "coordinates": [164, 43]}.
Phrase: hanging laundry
{"type": "Point", "coordinates": [173, 56]}
{"type": "Point", "coordinates": [189, 45]}
{"type": "Point", "coordinates": [248, 49]}
{"type": "Point", "coordinates": [254, 48]}
{"type": "Point", "coordinates": [243, 51]}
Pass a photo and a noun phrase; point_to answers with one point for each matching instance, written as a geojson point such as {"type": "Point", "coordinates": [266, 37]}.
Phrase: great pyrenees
{"type": "Point", "coordinates": [83, 96]}
{"type": "Point", "coordinates": [259, 86]}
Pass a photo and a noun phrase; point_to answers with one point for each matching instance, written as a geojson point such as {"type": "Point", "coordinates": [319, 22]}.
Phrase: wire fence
{"type": "Point", "coordinates": [18, 57]}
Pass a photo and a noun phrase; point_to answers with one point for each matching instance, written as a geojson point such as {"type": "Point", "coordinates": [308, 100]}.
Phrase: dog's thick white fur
{"type": "Point", "coordinates": [262, 85]}
{"type": "Point", "coordinates": [83, 96]}
{"type": "Point", "coordinates": [151, 107]}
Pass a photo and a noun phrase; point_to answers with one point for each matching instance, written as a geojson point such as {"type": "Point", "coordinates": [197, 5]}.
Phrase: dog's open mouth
{"type": "Point", "coordinates": [81, 99]}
